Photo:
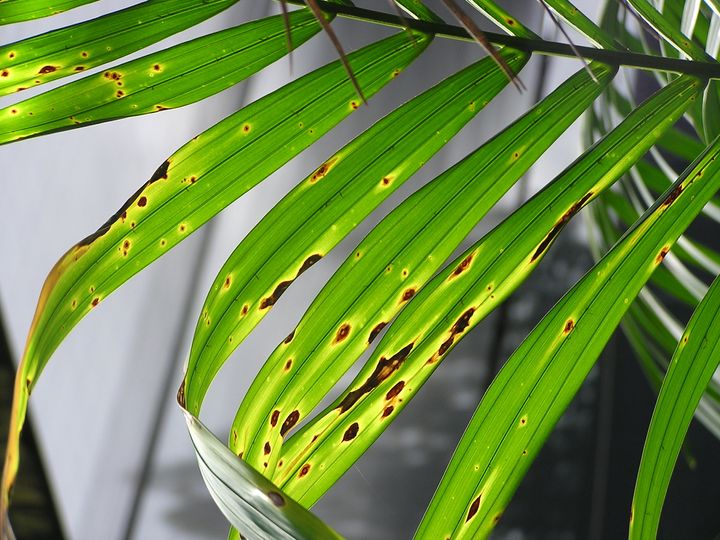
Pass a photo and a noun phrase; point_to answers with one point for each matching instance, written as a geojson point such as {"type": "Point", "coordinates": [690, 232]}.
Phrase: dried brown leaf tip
{"type": "Point", "coordinates": [315, 8]}
{"type": "Point", "coordinates": [483, 41]}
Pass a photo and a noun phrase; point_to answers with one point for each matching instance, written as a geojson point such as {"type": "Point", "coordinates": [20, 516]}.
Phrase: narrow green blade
{"type": "Point", "coordinates": [12, 11]}
{"type": "Point", "coordinates": [323, 209]}
{"type": "Point", "coordinates": [382, 273]}
{"type": "Point", "coordinates": [539, 380]}
{"type": "Point", "coordinates": [74, 49]}
{"type": "Point", "coordinates": [695, 360]}
{"type": "Point", "coordinates": [459, 298]}
{"type": "Point", "coordinates": [189, 188]}
{"type": "Point", "coordinates": [170, 78]}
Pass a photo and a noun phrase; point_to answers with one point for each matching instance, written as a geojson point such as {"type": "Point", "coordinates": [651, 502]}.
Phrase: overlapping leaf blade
{"type": "Point", "coordinates": [87, 44]}
{"type": "Point", "coordinates": [323, 209]}
{"type": "Point", "coordinates": [171, 78]}
{"type": "Point", "coordinates": [459, 297]}
{"type": "Point", "coordinates": [247, 499]}
{"type": "Point", "coordinates": [190, 187]}
{"type": "Point", "coordinates": [537, 383]}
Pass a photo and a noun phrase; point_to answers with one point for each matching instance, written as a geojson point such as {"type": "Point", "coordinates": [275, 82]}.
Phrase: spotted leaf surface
{"type": "Point", "coordinates": [695, 360]}
{"type": "Point", "coordinates": [458, 298]}
{"type": "Point", "coordinates": [171, 78]}
{"type": "Point", "coordinates": [384, 273]}
{"type": "Point", "coordinates": [12, 11]}
{"type": "Point", "coordinates": [324, 208]}
{"type": "Point", "coordinates": [537, 383]}
{"type": "Point", "coordinates": [72, 50]}
{"type": "Point", "coordinates": [190, 187]}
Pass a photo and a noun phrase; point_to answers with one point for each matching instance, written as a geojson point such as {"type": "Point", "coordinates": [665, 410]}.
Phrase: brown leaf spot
{"type": "Point", "coordinates": [182, 228]}
{"type": "Point", "coordinates": [4, 73]}
{"type": "Point", "coordinates": [142, 201]}
{"type": "Point", "coordinates": [569, 325]}
{"type": "Point", "coordinates": [395, 390]}
{"type": "Point", "coordinates": [84, 54]}
{"type": "Point", "coordinates": [462, 266]}
{"type": "Point", "coordinates": [119, 94]}
{"type": "Point", "coordinates": [574, 209]}
{"type": "Point", "coordinates": [161, 173]}
{"type": "Point", "coordinates": [674, 194]}
{"type": "Point", "coordinates": [288, 364]}
{"type": "Point", "coordinates": [354, 105]}
{"type": "Point", "coordinates": [228, 280]}
{"type": "Point", "coordinates": [385, 368]}
{"type": "Point", "coordinates": [408, 294]}
{"type": "Point", "coordinates": [274, 418]}
{"type": "Point", "coordinates": [351, 432]}
{"type": "Point", "coordinates": [661, 255]}
{"type": "Point", "coordinates": [375, 331]}
{"type": "Point", "coordinates": [79, 68]}
{"type": "Point", "coordinates": [446, 345]}
{"type": "Point", "coordinates": [246, 128]}
{"type": "Point", "coordinates": [112, 75]}
{"type": "Point", "coordinates": [11, 55]}
{"type": "Point", "coordinates": [342, 333]}
{"type": "Point", "coordinates": [312, 259]}
{"type": "Point", "coordinates": [462, 323]}
{"type": "Point", "coordinates": [322, 171]}
{"type": "Point", "coordinates": [95, 301]}
{"type": "Point", "coordinates": [244, 310]}
{"type": "Point", "coordinates": [160, 108]}
{"type": "Point", "coordinates": [290, 422]}
{"type": "Point", "coordinates": [305, 469]}
{"type": "Point", "coordinates": [496, 519]}
{"type": "Point", "coordinates": [266, 448]}
{"type": "Point", "coordinates": [386, 180]}
{"type": "Point", "coordinates": [289, 338]}
{"type": "Point", "coordinates": [73, 304]}
{"type": "Point", "coordinates": [388, 411]}
{"type": "Point", "coordinates": [47, 69]}
{"type": "Point", "coordinates": [163, 242]}
{"type": "Point", "coordinates": [275, 296]}
{"type": "Point", "coordinates": [473, 508]}
{"type": "Point", "coordinates": [276, 498]}
{"type": "Point", "coordinates": [395, 73]}
{"type": "Point", "coordinates": [156, 67]}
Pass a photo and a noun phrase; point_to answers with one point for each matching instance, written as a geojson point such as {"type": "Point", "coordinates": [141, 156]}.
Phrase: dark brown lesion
{"type": "Point", "coordinates": [276, 294]}
{"type": "Point", "coordinates": [663, 252]}
{"type": "Point", "coordinates": [274, 418]}
{"type": "Point", "coordinates": [290, 422]}
{"type": "Point", "coordinates": [342, 333]}
{"type": "Point", "coordinates": [121, 214]}
{"type": "Point", "coordinates": [375, 331]}
{"type": "Point", "coordinates": [47, 69]}
{"type": "Point", "coordinates": [351, 432]}
{"type": "Point", "coordinates": [395, 390]}
{"type": "Point", "coordinates": [567, 216]}
{"type": "Point", "coordinates": [267, 448]}
{"type": "Point", "coordinates": [388, 411]}
{"type": "Point", "coordinates": [569, 325]}
{"type": "Point", "coordinates": [464, 264]}
{"type": "Point", "coordinates": [474, 507]}
{"type": "Point", "coordinates": [458, 328]}
{"type": "Point", "coordinates": [674, 194]}
{"type": "Point", "coordinates": [385, 367]}
{"type": "Point", "coordinates": [312, 259]}
{"type": "Point", "coordinates": [322, 171]}
{"type": "Point", "coordinates": [305, 469]}
{"type": "Point", "coordinates": [289, 338]}
{"type": "Point", "coordinates": [408, 294]}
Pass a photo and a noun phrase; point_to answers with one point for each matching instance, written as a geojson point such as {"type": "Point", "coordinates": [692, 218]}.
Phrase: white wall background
{"type": "Point", "coordinates": [95, 404]}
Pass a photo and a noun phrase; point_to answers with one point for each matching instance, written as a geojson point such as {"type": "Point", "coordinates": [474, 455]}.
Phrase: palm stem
{"type": "Point", "coordinates": [612, 57]}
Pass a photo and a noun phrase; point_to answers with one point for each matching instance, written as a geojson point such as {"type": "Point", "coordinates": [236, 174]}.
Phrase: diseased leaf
{"type": "Point", "coordinates": [387, 269]}
{"type": "Point", "coordinates": [12, 11]}
{"type": "Point", "coordinates": [458, 298]}
{"type": "Point", "coordinates": [171, 78]}
{"type": "Point", "coordinates": [323, 209]}
{"type": "Point", "coordinates": [190, 187]}
{"type": "Point", "coordinates": [537, 383]}
{"type": "Point", "coordinates": [71, 50]}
